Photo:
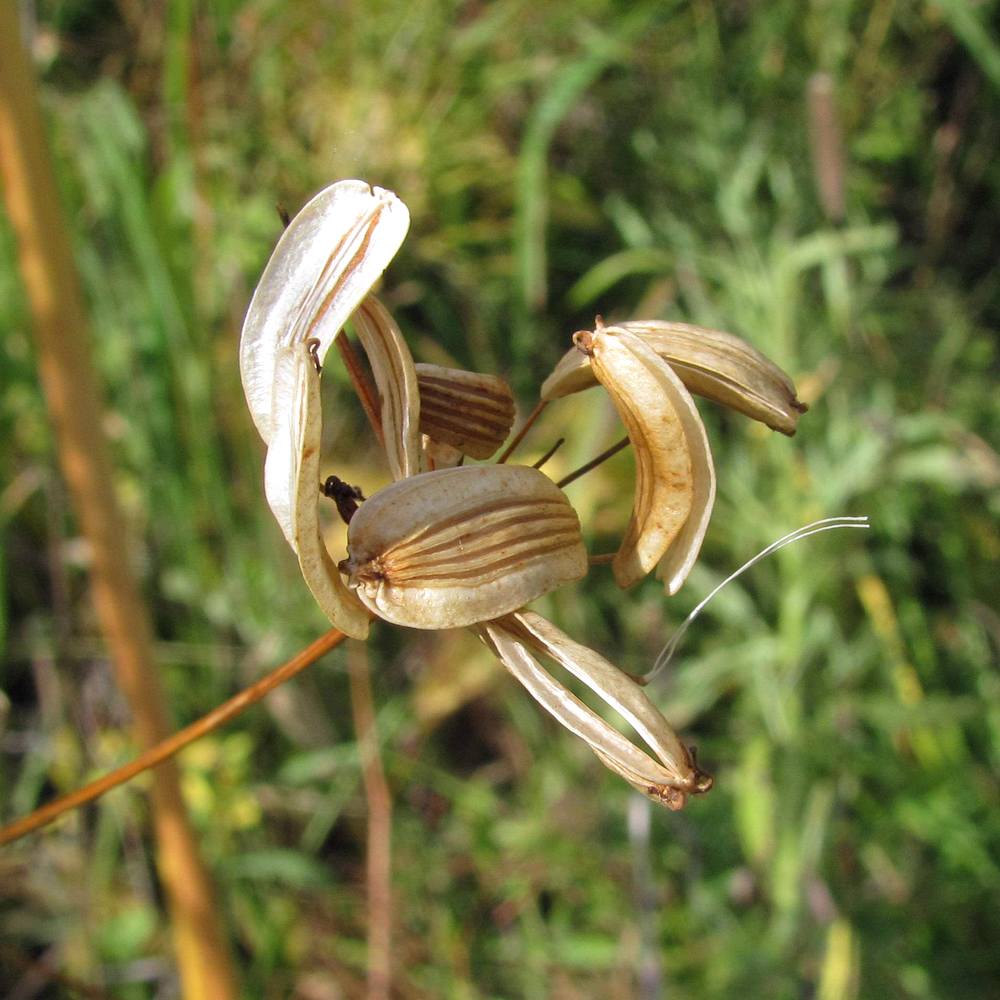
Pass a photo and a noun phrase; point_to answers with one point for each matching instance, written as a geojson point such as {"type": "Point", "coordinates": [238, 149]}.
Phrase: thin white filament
{"type": "Point", "coordinates": [826, 524]}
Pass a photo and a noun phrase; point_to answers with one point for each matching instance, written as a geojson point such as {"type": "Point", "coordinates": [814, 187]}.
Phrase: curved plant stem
{"type": "Point", "coordinates": [362, 385]}
{"type": "Point", "coordinates": [593, 463]}
{"type": "Point", "coordinates": [172, 745]}
{"type": "Point", "coordinates": [525, 427]}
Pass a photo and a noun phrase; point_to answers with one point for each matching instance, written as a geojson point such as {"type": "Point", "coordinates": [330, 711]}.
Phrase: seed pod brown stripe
{"type": "Point", "coordinates": [459, 410]}
{"type": "Point", "coordinates": [499, 568]}
{"type": "Point", "coordinates": [398, 562]}
{"type": "Point", "coordinates": [466, 410]}
{"type": "Point", "coordinates": [434, 422]}
{"type": "Point", "coordinates": [442, 527]}
{"type": "Point", "coordinates": [369, 228]}
{"type": "Point", "coordinates": [395, 378]}
{"type": "Point", "coordinates": [436, 384]}
{"type": "Point", "coordinates": [453, 404]}
{"type": "Point", "coordinates": [486, 524]}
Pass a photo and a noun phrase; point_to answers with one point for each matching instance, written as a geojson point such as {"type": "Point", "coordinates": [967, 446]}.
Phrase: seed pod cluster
{"type": "Point", "coordinates": [472, 545]}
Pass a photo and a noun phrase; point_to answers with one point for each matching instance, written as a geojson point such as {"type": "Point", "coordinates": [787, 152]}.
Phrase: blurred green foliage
{"type": "Point", "coordinates": [642, 159]}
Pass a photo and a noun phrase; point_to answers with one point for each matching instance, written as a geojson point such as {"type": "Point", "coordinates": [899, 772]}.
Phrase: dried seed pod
{"type": "Point", "coordinates": [396, 381]}
{"type": "Point", "coordinates": [713, 364]}
{"type": "Point", "coordinates": [459, 546]}
{"type": "Point", "coordinates": [326, 261]}
{"type": "Point", "coordinates": [675, 479]}
{"type": "Point", "coordinates": [668, 777]}
{"type": "Point", "coordinates": [291, 478]}
{"type": "Point", "coordinates": [467, 410]}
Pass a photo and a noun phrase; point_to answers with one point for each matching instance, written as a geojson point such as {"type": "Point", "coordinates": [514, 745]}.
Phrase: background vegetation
{"type": "Point", "coordinates": [642, 159]}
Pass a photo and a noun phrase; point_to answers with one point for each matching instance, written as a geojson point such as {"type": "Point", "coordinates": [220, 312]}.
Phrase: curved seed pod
{"type": "Point", "coordinates": [396, 381]}
{"type": "Point", "coordinates": [666, 780]}
{"type": "Point", "coordinates": [713, 364]}
{"type": "Point", "coordinates": [614, 686]}
{"type": "Point", "coordinates": [681, 554]}
{"type": "Point", "coordinates": [327, 259]}
{"type": "Point", "coordinates": [291, 478]}
{"type": "Point", "coordinates": [572, 373]}
{"type": "Point", "coordinates": [459, 546]}
{"type": "Point", "coordinates": [467, 410]}
{"type": "Point", "coordinates": [673, 464]}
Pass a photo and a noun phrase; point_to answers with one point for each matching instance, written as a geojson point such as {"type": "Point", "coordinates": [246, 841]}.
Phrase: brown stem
{"type": "Point", "coordinates": [602, 558]}
{"type": "Point", "coordinates": [525, 427]}
{"type": "Point", "coordinates": [593, 463]}
{"type": "Point", "coordinates": [379, 799]}
{"type": "Point", "coordinates": [72, 394]}
{"type": "Point", "coordinates": [826, 145]}
{"type": "Point", "coordinates": [362, 384]}
{"type": "Point", "coordinates": [549, 453]}
{"type": "Point", "coordinates": [167, 748]}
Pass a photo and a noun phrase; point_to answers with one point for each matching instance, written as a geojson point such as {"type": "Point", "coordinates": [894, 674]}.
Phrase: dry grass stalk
{"type": "Point", "coordinates": [72, 394]}
{"type": "Point", "coordinates": [826, 146]}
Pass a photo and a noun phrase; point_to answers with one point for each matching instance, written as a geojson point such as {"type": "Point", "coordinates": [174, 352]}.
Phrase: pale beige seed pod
{"type": "Point", "coordinates": [396, 381]}
{"type": "Point", "coordinates": [291, 483]}
{"type": "Point", "coordinates": [667, 775]}
{"type": "Point", "coordinates": [675, 478]}
{"type": "Point", "coordinates": [438, 455]}
{"type": "Point", "coordinates": [711, 363]}
{"type": "Point", "coordinates": [459, 546]}
{"type": "Point", "coordinates": [323, 266]}
{"type": "Point", "coordinates": [469, 411]}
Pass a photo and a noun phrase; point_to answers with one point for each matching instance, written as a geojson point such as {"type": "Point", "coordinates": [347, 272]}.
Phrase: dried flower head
{"type": "Point", "coordinates": [448, 545]}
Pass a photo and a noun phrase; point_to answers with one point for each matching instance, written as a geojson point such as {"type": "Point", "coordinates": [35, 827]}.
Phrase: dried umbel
{"type": "Point", "coordinates": [446, 544]}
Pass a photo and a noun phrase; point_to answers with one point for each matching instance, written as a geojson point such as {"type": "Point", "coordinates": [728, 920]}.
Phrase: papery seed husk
{"type": "Point", "coordinates": [644, 390]}
{"type": "Point", "coordinates": [324, 264]}
{"type": "Point", "coordinates": [717, 365]}
{"type": "Point", "coordinates": [614, 686]}
{"type": "Point", "coordinates": [681, 554]}
{"type": "Point", "coordinates": [661, 783]}
{"type": "Point", "coordinates": [459, 546]}
{"type": "Point", "coordinates": [291, 484]}
{"type": "Point", "coordinates": [396, 381]}
{"type": "Point", "coordinates": [467, 410]}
